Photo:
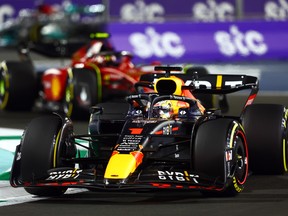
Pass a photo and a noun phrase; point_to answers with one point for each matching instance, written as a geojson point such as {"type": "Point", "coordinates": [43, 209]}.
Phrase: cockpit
{"type": "Point", "coordinates": [168, 101]}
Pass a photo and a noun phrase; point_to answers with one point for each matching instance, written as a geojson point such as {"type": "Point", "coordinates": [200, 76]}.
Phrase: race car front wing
{"type": "Point", "coordinates": [146, 179]}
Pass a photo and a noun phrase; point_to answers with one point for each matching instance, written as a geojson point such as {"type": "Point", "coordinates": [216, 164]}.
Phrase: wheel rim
{"type": "Point", "coordinates": [64, 148]}
{"type": "Point", "coordinates": [241, 166]}
{"type": "Point", "coordinates": [68, 105]}
{"type": "Point", "coordinates": [285, 155]}
{"type": "Point", "coordinates": [3, 93]}
{"type": "Point", "coordinates": [2, 88]}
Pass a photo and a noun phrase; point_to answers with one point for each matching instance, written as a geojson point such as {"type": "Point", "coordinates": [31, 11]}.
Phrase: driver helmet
{"type": "Point", "coordinates": [164, 109]}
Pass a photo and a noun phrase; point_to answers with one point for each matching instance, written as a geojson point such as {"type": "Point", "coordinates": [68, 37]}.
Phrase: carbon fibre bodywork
{"type": "Point", "coordinates": [134, 148]}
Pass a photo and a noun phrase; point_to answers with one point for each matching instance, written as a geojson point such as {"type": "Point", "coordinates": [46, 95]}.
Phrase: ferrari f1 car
{"type": "Point", "coordinates": [159, 140]}
{"type": "Point", "coordinates": [97, 73]}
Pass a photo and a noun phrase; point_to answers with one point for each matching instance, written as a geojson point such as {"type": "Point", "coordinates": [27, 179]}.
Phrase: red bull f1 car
{"type": "Point", "coordinates": [158, 140]}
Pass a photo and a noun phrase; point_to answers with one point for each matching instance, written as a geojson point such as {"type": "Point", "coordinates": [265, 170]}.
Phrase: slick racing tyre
{"type": "Point", "coordinates": [41, 149]}
{"type": "Point", "coordinates": [221, 151]}
{"type": "Point", "coordinates": [83, 90]}
{"type": "Point", "coordinates": [17, 85]}
{"type": "Point", "coordinates": [266, 130]}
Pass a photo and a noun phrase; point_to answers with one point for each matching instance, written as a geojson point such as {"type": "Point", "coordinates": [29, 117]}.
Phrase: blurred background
{"type": "Point", "coordinates": [226, 36]}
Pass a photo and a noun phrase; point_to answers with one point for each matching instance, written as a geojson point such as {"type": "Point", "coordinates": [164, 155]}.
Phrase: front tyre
{"type": "Point", "coordinates": [39, 153]}
{"type": "Point", "coordinates": [220, 151]}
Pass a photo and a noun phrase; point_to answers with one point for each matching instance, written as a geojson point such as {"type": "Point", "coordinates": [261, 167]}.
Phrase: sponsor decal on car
{"type": "Point", "coordinates": [219, 83]}
{"type": "Point", "coordinates": [137, 121]}
{"type": "Point", "coordinates": [238, 188]}
{"type": "Point", "coordinates": [129, 143]}
{"type": "Point", "coordinates": [250, 99]}
{"type": "Point", "coordinates": [229, 154]}
{"type": "Point", "coordinates": [182, 176]}
{"type": "Point", "coordinates": [64, 174]}
{"type": "Point", "coordinates": [167, 130]}
{"type": "Point", "coordinates": [136, 130]}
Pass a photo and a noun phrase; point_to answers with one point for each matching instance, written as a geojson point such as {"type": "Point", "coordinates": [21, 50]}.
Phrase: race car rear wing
{"type": "Point", "coordinates": [205, 84]}
{"type": "Point", "coordinates": [210, 84]}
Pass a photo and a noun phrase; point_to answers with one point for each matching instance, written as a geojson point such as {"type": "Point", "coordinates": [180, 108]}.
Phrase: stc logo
{"type": "Point", "coordinates": [151, 43]}
{"type": "Point", "coordinates": [140, 12]}
{"type": "Point", "coordinates": [211, 11]}
{"type": "Point", "coordinates": [6, 12]}
{"type": "Point", "coordinates": [236, 42]}
{"type": "Point", "coordinates": [276, 11]}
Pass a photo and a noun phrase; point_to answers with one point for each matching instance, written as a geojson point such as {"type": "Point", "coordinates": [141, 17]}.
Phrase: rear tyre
{"type": "Point", "coordinates": [221, 151]}
{"type": "Point", "coordinates": [39, 140]}
{"type": "Point", "coordinates": [83, 90]}
{"type": "Point", "coordinates": [17, 85]}
{"type": "Point", "coordinates": [266, 130]}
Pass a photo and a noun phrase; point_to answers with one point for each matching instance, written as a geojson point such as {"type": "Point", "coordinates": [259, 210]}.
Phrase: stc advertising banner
{"type": "Point", "coordinates": [144, 27]}
{"type": "Point", "coordinates": [198, 10]}
{"type": "Point", "coordinates": [202, 42]}
{"type": "Point", "coordinates": [163, 10]}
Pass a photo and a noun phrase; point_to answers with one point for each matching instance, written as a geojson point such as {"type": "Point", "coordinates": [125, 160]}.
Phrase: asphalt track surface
{"type": "Point", "coordinates": [263, 195]}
